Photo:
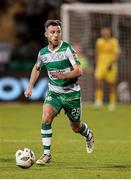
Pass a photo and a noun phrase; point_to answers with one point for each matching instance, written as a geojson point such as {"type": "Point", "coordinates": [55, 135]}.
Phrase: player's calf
{"type": "Point", "coordinates": [89, 137]}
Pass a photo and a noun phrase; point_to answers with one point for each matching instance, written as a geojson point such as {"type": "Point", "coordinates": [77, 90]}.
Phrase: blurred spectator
{"type": "Point", "coordinates": [22, 31]}
{"type": "Point", "coordinates": [3, 5]}
{"type": "Point", "coordinates": [83, 59]}
{"type": "Point", "coordinates": [97, 1]}
{"type": "Point", "coordinates": [21, 19]}
{"type": "Point", "coordinates": [83, 80]}
{"type": "Point", "coordinates": [4, 55]}
{"type": "Point", "coordinates": [7, 33]}
{"type": "Point", "coordinates": [23, 49]}
{"type": "Point", "coordinates": [7, 25]}
{"type": "Point", "coordinates": [70, 1]}
{"type": "Point", "coordinates": [36, 19]}
{"type": "Point", "coordinates": [123, 91]}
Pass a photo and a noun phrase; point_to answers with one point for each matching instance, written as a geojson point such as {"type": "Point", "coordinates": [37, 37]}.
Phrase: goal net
{"type": "Point", "coordinates": [81, 25]}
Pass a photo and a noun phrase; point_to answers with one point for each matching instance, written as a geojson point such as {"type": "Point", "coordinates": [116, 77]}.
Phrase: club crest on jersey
{"type": "Point", "coordinates": [60, 56]}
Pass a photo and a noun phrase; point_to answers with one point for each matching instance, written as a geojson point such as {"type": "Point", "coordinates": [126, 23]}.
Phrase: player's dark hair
{"type": "Point", "coordinates": [53, 23]}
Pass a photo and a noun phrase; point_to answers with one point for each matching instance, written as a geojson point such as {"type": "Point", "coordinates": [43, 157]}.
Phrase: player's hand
{"type": "Point", "coordinates": [109, 67]}
{"type": "Point", "coordinates": [58, 75]}
{"type": "Point", "coordinates": [28, 92]}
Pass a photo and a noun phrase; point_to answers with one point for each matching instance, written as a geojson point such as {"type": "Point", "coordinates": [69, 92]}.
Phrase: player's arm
{"type": "Point", "coordinates": [33, 78]}
{"type": "Point", "coordinates": [117, 51]}
{"type": "Point", "coordinates": [96, 51]}
{"type": "Point", "coordinates": [116, 54]}
{"type": "Point", "coordinates": [75, 72]}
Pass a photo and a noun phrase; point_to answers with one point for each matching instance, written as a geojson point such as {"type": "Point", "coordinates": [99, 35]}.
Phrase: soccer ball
{"type": "Point", "coordinates": [25, 158]}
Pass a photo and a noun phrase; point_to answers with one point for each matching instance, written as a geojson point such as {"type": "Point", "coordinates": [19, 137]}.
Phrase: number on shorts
{"type": "Point", "coordinates": [75, 113]}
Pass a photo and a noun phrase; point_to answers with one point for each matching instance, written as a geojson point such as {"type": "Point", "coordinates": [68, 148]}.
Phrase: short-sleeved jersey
{"type": "Point", "coordinates": [62, 59]}
{"type": "Point", "coordinates": [106, 49]}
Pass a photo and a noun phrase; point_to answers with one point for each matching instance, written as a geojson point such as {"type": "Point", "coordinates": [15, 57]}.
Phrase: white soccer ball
{"type": "Point", "coordinates": [25, 158]}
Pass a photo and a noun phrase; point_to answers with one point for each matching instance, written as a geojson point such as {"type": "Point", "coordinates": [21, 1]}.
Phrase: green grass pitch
{"type": "Point", "coordinates": [20, 127]}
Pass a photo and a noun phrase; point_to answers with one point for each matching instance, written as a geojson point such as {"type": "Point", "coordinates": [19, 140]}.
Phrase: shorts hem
{"type": "Point", "coordinates": [58, 110]}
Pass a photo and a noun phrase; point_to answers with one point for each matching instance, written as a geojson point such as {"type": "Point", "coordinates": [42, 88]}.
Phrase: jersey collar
{"type": "Point", "coordinates": [56, 48]}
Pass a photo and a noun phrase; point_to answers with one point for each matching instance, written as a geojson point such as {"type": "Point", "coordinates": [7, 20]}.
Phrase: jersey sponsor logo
{"type": "Point", "coordinates": [44, 59]}
{"type": "Point", "coordinates": [57, 56]}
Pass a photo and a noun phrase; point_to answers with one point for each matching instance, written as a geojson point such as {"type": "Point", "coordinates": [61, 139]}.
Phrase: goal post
{"type": "Point", "coordinates": [81, 24]}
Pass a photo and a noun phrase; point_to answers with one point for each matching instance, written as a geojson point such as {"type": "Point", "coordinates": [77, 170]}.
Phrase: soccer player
{"type": "Point", "coordinates": [63, 68]}
{"type": "Point", "coordinates": [107, 54]}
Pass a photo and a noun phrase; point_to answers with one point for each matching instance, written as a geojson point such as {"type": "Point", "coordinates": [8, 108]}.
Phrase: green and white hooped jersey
{"type": "Point", "coordinates": [62, 59]}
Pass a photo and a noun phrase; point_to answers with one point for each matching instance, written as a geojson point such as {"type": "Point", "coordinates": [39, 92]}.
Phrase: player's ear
{"type": "Point", "coordinates": [45, 34]}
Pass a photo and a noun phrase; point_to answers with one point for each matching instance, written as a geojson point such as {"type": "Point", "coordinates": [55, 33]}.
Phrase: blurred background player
{"type": "Point", "coordinates": [107, 54]}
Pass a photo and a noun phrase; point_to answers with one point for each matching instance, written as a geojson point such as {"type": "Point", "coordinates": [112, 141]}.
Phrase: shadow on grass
{"type": "Point", "coordinates": [118, 166]}
{"type": "Point", "coordinates": [7, 160]}
{"type": "Point", "coordinates": [71, 165]}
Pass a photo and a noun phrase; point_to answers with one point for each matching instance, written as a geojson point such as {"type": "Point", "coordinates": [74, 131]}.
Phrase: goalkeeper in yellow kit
{"type": "Point", "coordinates": [107, 54]}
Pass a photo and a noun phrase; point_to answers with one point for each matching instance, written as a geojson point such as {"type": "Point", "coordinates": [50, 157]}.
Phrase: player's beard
{"type": "Point", "coordinates": [54, 44]}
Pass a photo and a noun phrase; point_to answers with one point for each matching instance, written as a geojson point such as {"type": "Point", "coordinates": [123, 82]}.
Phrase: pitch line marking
{"type": "Point", "coordinates": [37, 141]}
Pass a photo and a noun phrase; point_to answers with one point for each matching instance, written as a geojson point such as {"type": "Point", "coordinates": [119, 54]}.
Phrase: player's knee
{"type": "Point", "coordinates": [46, 118]}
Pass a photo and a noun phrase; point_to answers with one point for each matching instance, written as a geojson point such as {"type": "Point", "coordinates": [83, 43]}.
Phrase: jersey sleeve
{"type": "Point", "coordinates": [39, 61]}
{"type": "Point", "coordinates": [72, 56]}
